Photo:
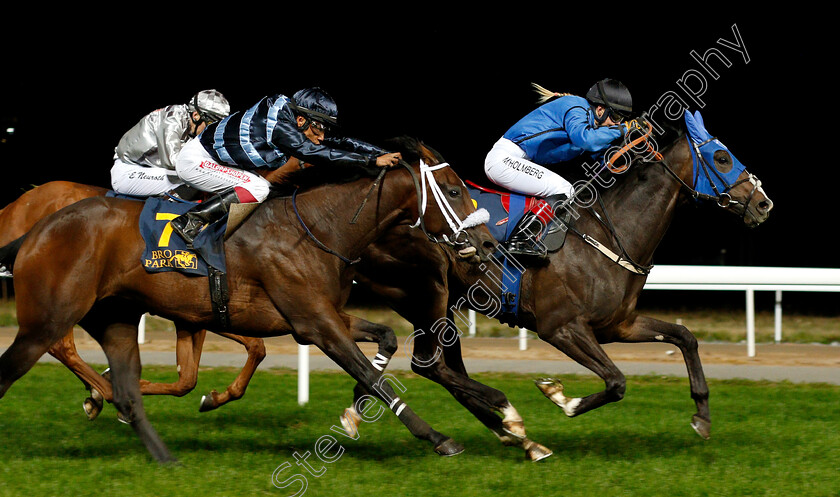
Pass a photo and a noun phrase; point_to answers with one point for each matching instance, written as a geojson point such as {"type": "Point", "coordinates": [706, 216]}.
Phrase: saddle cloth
{"type": "Point", "coordinates": [507, 209]}
{"type": "Point", "coordinates": [166, 251]}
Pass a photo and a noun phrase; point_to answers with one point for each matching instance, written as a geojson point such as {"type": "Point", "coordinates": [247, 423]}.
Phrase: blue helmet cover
{"type": "Point", "coordinates": [708, 145]}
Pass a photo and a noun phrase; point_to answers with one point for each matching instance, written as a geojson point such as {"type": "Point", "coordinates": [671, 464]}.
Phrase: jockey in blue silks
{"type": "Point", "coordinates": [562, 128]}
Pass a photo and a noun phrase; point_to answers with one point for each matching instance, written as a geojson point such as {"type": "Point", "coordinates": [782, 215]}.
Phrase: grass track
{"type": "Point", "coordinates": [768, 439]}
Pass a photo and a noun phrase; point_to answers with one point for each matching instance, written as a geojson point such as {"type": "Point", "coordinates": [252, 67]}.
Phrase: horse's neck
{"type": "Point", "coordinates": [642, 205]}
{"type": "Point", "coordinates": [329, 211]}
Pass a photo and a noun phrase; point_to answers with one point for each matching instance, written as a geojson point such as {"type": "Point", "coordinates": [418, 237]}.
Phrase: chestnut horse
{"type": "Point", "coordinates": [289, 267]}
{"type": "Point", "coordinates": [579, 297]}
{"type": "Point", "coordinates": [17, 218]}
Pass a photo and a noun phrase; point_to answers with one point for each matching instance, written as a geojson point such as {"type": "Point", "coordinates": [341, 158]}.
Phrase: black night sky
{"type": "Point", "coordinates": [71, 89]}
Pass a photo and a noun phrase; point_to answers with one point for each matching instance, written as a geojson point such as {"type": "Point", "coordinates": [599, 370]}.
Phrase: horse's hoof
{"type": "Point", "coordinates": [92, 408]}
{"type": "Point", "coordinates": [701, 426]}
{"type": "Point", "coordinates": [549, 386]}
{"type": "Point", "coordinates": [350, 421]}
{"type": "Point", "coordinates": [449, 447]}
{"type": "Point", "coordinates": [536, 452]}
{"type": "Point", "coordinates": [207, 403]}
{"type": "Point", "coordinates": [122, 419]}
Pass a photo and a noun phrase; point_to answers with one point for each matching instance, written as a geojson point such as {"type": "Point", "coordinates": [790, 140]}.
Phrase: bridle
{"type": "Point", "coordinates": [721, 198]}
{"type": "Point", "coordinates": [458, 227]}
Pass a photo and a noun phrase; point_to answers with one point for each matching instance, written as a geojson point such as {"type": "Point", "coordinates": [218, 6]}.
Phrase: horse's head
{"type": "Point", "coordinates": [719, 176]}
{"type": "Point", "coordinates": [445, 210]}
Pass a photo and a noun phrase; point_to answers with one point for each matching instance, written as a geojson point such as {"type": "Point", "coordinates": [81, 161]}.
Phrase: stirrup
{"type": "Point", "coordinates": [524, 247]}
{"type": "Point", "coordinates": [187, 226]}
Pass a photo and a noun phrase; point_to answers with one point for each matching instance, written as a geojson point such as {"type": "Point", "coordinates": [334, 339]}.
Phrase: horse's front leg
{"type": "Point", "coordinates": [322, 326]}
{"type": "Point", "coordinates": [438, 357]}
{"type": "Point", "coordinates": [577, 340]}
{"type": "Point", "coordinates": [646, 329]}
{"type": "Point", "coordinates": [188, 346]}
{"type": "Point", "coordinates": [255, 347]}
{"type": "Point", "coordinates": [365, 331]}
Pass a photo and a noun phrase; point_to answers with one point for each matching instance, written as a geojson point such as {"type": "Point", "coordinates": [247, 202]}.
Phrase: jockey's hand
{"type": "Point", "coordinates": [387, 160]}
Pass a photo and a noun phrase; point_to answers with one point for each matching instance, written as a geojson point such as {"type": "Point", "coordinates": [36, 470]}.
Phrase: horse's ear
{"type": "Point", "coordinates": [696, 129]}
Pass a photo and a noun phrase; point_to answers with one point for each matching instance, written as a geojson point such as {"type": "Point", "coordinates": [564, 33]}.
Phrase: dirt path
{"type": "Point", "coordinates": [508, 349]}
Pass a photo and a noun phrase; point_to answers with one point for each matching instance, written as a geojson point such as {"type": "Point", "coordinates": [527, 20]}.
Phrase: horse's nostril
{"type": "Point", "coordinates": [765, 206]}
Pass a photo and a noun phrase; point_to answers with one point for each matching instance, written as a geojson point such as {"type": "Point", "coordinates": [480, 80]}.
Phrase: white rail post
{"type": "Point", "coordinates": [472, 322]}
{"type": "Point", "coordinates": [523, 339]}
{"type": "Point", "coordinates": [141, 330]}
{"type": "Point", "coordinates": [303, 374]}
{"type": "Point", "coordinates": [750, 322]}
{"type": "Point", "coordinates": [778, 319]}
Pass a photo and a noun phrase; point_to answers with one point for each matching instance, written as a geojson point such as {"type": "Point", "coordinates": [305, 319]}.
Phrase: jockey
{"type": "Point", "coordinates": [231, 157]}
{"type": "Point", "coordinates": [562, 128]}
{"type": "Point", "coordinates": [144, 159]}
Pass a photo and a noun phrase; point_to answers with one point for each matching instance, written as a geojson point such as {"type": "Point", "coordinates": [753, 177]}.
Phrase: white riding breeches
{"type": "Point", "coordinates": [142, 181]}
{"type": "Point", "coordinates": [507, 166]}
{"type": "Point", "coordinates": [197, 168]}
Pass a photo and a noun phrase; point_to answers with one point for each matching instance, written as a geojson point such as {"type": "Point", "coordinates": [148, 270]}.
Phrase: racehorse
{"type": "Point", "coordinates": [289, 266]}
{"type": "Point", "coordinates": [581, 296]}
{"type": "Point", "coordinates": [17, 218]}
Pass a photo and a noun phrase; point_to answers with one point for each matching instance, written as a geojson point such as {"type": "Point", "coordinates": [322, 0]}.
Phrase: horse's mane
{"type": "Point", "coordinates": [310, 177]}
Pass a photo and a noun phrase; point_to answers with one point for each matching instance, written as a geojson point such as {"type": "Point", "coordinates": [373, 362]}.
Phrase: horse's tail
{"type": "Point", "coordinates": [8, 253]}
{"type": "Point", "coordinates": [546, 95]}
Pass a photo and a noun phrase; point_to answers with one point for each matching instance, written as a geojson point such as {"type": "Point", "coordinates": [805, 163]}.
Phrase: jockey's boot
{"type": "Point", "coordinates": [562, 217]}
{"type": "Point", "coordinates": [523, 240]}
{"type": "Point", "coordinates": [190, 224]}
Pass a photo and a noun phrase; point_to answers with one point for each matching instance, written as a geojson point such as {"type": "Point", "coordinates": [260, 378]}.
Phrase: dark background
{"type": "Point", "coordinates": [71, 89]}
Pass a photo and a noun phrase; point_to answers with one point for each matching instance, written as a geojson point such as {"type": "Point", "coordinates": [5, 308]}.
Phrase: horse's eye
{"type": "Point", "coordinates": [454, 192]}
{"type": "Point", "coordinates": [723, 162]}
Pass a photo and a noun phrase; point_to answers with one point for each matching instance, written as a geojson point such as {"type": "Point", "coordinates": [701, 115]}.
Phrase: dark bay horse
{"type": "Point", "coordinates": [578, 298]}
{"type": "Point", "coordinates": [80, 265]}
{"type": "Point", "coordinates": [17, 218]}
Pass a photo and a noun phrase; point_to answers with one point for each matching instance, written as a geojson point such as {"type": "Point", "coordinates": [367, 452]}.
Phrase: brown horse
{"type": "Point", "coordinates": [576, 299]}
{"type": "Point", "coordinates": [17, 218]}
{"type": "Point", "coordinates": [289, 267]}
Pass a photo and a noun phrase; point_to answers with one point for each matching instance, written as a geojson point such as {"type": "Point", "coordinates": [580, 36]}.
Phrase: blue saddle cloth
{"type": "Point", "coordinates": [506, 209]}
{"type": "Point", "coordinates": [166, 251]}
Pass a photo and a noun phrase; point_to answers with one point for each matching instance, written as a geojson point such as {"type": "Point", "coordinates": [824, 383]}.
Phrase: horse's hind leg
{"type": "Point", "coordinates": [100, 389]}
{"type": "Point", "coordinates": [255, 347]}
{"type": "Point", "coordinates": [29, 345]}
{"type": "Point", "coordinates": [579, 343]}
{"type": "Point", "coordinates": [646, 329]}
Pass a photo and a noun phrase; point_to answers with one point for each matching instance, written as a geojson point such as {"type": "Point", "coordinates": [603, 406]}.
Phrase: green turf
{"type": "Point", "coordinates": [768, 439]}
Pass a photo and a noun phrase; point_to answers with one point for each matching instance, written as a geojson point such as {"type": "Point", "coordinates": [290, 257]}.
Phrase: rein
{"type": "Point", "coordinates": [458, 227]}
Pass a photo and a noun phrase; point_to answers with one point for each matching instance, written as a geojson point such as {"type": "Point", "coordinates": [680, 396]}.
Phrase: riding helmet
{"type": "Point", "coordinates": [316, 104]}
{"type": "Point", "coordinates": [613, 95]}
{"type": "Point", "coordinates": [210, 104]}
